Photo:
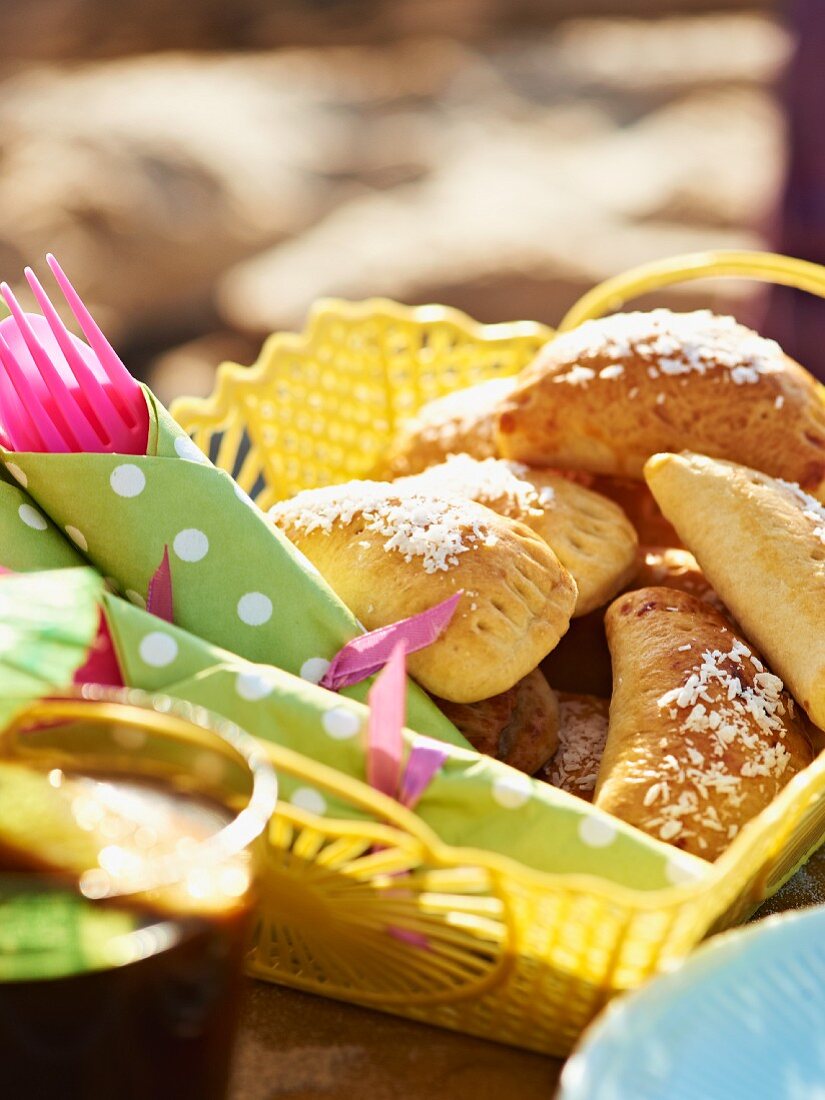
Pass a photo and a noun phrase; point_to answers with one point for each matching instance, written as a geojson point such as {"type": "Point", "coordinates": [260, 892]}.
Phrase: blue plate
{"type": "Point", "coordinates": [743, 1019]}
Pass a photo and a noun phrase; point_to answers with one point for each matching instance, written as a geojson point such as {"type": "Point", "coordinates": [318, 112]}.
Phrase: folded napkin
{"type": "Point", "coordinates": [238, 582]}
{"type": "Point", "coordinates": [472, 800]}
{"type": "Point", "coordinates": [29, 541]}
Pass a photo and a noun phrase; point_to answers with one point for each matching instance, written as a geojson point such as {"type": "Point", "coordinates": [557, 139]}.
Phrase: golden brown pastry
{"type": "Point", "coordinates": [590, 535]}
{"type": "Point", "coordinates": [519, 727]}
{"type": "Point", "coordinates": [460, 423]}
{"type": "Point", "coordinates": [761, 544]}
{"type": "Point", "coordinates": [582, 736]}
{"type": "Point", "coordinates": [664, 566]}
{"type": "Point", "coordinates": [607, 395]}
{"type": "Point", "coordinates": [391, 552]}
{"type": "Point", "coordinates": [701, 735]}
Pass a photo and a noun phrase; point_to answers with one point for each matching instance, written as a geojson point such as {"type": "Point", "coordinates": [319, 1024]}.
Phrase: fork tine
{"type": "Point", "coordinates": [50, 437]}
{"type": "Point", "coordinates": [91, 394]}
{"type": "Point", "coordinates": [106, 354]}
{"type": "Point", "coordinates": [54, 382]}
{"type": "Point", "coordinates": [24, 435]}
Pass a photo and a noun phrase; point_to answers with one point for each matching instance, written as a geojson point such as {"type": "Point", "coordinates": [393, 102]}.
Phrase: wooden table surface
{"type": "Point", "coordinates": [304, 1047]}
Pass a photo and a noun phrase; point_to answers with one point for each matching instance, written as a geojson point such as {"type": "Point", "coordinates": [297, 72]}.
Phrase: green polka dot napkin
{"type": "Point", "coordinates": [256, 628]}
{"type": "Point", "coordinates": [237, 581]}
{"type": "Point", "coordinates": [28, 540]}
{"type": "Point", "coordinates": [473, 801]}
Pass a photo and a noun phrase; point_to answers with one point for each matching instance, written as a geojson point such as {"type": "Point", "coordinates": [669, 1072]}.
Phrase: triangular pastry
{"type": "Point", "coordinates": [590, 535]}
{"type": "Point", "coordinates": [761, 544]}
{"type": "Point", "coordinates": [701, 735]}
{"type": "Point", "coordinates": [607, 395]}
{"type": "Point", "coordinates": [391, 552]}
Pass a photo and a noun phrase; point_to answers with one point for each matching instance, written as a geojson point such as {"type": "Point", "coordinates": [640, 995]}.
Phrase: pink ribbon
{"type": "Point", "coordinates": [385, 743]}
{"type": "Point", "coordinates": [365, 655]}
{"type": "Point", "coordinates": [159, 597]}
{"type": "Point", "coordinates": [385, 751]}
{"type": "Point", "coordinates": [385, 740]}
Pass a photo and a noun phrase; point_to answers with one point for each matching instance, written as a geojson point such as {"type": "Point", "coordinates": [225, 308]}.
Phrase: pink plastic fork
{"type": "Point", "coordinates": [58, 393]}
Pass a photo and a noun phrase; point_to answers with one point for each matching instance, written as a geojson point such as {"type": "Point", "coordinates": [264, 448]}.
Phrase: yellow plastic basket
{"type": "Point", "coordinates": [384, 914]}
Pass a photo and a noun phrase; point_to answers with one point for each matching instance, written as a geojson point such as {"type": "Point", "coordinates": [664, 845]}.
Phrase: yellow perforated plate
{"type": "Point", "coordinates": [319, 408]}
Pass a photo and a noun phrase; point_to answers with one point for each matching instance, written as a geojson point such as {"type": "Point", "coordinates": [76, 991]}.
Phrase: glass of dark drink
{"type": "Point", "coordinates": [131, 828]}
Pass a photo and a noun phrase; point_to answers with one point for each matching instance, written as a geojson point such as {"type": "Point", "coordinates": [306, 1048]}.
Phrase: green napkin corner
{"type": "Point", "coordinates": [238, 582]}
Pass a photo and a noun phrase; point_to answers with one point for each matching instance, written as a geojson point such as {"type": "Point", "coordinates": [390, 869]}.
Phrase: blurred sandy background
{"type": "Point", "coordinates": [205, 170]}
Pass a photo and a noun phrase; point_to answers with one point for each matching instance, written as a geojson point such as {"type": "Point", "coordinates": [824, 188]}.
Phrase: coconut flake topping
{"type": "Point", "coordinates": [582, 737]}
{"type": "Point", "coordinates": [670, 343]}
{"type": "Point", "coordinates": [413, 522]}
{"type": "Point", "coordinates": [726, 707]}
{"type": "Point", "coordinates": [487, 481]}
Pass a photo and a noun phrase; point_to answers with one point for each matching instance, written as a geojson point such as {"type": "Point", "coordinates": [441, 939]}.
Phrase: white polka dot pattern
{"type": "Point", "coordinates": [18, 475]}
{"type": "Point", "coordinates": [511, 791]}
{"type": "Point", "coordinates": [77, 537]}
{"type": "Point", "coordinates": [341, 723]}
{"type": "Point", "coordinates": [253, 686]}
{"type": "Point", "coordinates": [127, 480]}
{"type": "Point", "coordinates": [190, 544]}
{"type": "Point", "coordinates": [595, 832]}
{"type": "Point", "coordinates": [158, 649]}
{"type": "Point", "coordinates": [32, 518]}
{"type": "Point", "coordinates": [189, 451]}
{"type": "Point", "coordinates": [314, 669]}
{"type": "Point", "coordinates": [254, 609]}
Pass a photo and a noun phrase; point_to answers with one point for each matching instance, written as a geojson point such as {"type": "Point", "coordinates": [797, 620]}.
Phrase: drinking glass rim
{"type": "Point", "coordinates": [174, 718]}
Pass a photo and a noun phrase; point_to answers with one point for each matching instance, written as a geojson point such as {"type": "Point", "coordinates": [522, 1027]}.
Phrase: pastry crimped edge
{"type": "Point", "coordinates": [517, 597]}
{"type": "Point", "coordinates": [590, 535]}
